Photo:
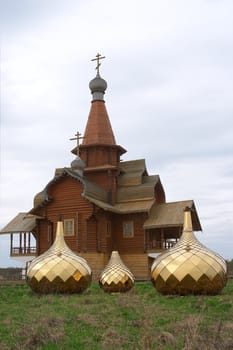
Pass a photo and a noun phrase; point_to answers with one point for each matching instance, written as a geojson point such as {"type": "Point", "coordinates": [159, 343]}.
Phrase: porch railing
{"type": "Point", "coordinates": [160, 245]}
{"type": "Point", "coordinates": [20, 251]}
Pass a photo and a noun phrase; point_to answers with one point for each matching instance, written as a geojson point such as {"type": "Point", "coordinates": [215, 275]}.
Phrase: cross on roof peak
{"type": "Point", "coordinates": [77, 137]}
{"type": "Point", "coordinates": [98, 58]}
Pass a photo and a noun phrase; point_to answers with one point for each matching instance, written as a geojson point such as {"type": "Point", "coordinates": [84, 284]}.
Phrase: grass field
{"type": "Point", "coordinates": [140, 319]}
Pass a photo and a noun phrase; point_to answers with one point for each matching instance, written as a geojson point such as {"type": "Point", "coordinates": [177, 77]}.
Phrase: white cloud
{"type": "Point", "coordinates": [170, 76]}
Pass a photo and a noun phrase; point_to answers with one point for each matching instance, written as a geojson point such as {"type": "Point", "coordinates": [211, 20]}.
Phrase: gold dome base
{"type": "Point", "coordinates": [117, 287]}
{"type": "Point", "coordinates": [204, 286]}
{"type": "Point", "coordinates": [44, 286]}
{"type": "Point", "coordinates": [59, 270]}
{"type": "Point", "coordinates": [116, 277]}
{"type": "Point", "coordinates": [189, 267]}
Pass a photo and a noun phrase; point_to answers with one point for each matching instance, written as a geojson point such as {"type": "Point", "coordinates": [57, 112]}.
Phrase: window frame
{"type": "Point", "coordinates": [66, 221]}
{"type": "Point", "coordinates": [127, 234]}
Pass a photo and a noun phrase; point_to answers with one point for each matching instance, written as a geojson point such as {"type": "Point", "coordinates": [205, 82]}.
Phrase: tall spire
{"type": "Point", "coordinates": [98, 128]}
{"type": "Point", "coordinates": [99, 150]}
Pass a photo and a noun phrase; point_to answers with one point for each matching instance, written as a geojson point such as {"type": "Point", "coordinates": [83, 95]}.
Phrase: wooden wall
{"type": "Point", "coordinates": [68, 202]}
{"type": "Point", "coordinates": [91, 239]}
{"type": "Point", "coordinates": [129, 245]}
{"type": "Point", "coordinates": [138, 264]}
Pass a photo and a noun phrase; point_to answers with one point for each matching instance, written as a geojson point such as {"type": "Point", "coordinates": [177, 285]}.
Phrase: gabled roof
{"type": "Point", "coordinates": [131, 172]}
{"type": "Point", "coordinates": [171, 214]}
{"type": "Point", "coordinates": [23, 222]}
{"type": "Point", "coordinates": [132, 198]}
{"type": "Point", "coordinates": [142, 191]}
{"type": "Point", "coordinates": [124, 208]}
{"type": "Point", "coordinates": [90, 189]}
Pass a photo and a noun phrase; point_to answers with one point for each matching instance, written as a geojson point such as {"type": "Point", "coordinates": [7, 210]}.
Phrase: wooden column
{"type": "Point", "coordinates": [11, 243]}
{"type": "Point", "coordinates": [24, 243]}
{"type": "Point", "coordinates": [162, 238]}
{"type": "Point", "coordinates": [29, 242]}
{"type": "Point", "coordinates": [20, 243]}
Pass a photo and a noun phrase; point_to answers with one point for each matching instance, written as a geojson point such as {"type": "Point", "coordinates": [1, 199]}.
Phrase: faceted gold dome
{"type": "Point", "coordinates": [59, 270]}
{"type": "Point", "coordinates": [189, 267]}
{"type": "Point", "coordinates": [116, 277]}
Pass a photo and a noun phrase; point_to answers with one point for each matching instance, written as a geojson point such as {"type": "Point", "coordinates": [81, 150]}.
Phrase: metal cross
{"type": "Point", "coordinates": [98, 58]}
{"type": "Point", "coordinates": [77, 137]}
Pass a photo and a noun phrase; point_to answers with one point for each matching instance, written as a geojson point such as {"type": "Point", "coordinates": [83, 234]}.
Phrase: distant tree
{"type": "Point", "coordinates": [230, 267]}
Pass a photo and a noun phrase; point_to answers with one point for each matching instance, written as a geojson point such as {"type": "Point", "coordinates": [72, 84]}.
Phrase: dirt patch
{"type": "Point", "coordinates": [196, 335]}
{"type": "Point", "coordinates": [41, 332]}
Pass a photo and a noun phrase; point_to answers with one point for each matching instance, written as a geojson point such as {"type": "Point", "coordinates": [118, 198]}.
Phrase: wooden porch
{"type": "Point", "coordinates": [23, 238]}
{"type": "Point", "coordinates": [23, 244]}
{"type": "Point", "coordinates": [159, 239]}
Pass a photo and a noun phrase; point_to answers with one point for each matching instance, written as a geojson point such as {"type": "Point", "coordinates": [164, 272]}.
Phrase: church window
{"type": "Point", "coordinates": [68, 227]}
{"type": "Point", "coordinates": [128, 229]}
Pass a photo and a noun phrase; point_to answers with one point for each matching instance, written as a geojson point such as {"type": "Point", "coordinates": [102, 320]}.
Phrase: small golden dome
{"type": "Point", "coordinates": [189, 267]}
{"type": "Point", "coordinates": [116, 277]}
{"type": "Point", "coordinates": [59, 270]}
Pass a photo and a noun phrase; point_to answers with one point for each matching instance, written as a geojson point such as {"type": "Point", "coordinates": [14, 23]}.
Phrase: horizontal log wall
{"type": "Point", "coordinates": [133, 244]}
{"type": "Point", "coordinates": [137, 263]}
{"type": "Point", "coordinates": [97, 262]}
{"type": "Point", "coordinates": [44, 239]}
{"type": "Point", "coordinates": [68, 202]}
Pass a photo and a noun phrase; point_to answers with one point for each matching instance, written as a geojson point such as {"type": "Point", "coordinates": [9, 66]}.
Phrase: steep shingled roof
{"type": "Point", "coordinates": [98, 128]}
{"type": "Point", "coordinates": [129, 198]}
{"type": "Point", "coordinates": [90, 189]}
{"type": "Point", "coordinates": [22, 222]}
{"type": "Point", "coordinates": [171, 214]}
{"type": "Point", "coordinates": [131, 172]}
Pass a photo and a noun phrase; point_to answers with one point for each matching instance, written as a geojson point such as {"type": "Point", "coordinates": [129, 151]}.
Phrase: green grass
{"type": "Point", "coordinates": [140, 319]}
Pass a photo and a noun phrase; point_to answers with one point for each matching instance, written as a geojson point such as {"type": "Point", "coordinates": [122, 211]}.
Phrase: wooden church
{"type": "Point", "coordinates": [106, 204]}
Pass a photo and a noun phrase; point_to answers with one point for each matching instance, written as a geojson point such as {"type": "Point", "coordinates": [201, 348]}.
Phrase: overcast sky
{"type": "Point", "coordinates": [169, 69]}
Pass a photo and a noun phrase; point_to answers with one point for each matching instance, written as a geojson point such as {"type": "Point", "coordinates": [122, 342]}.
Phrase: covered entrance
{"type": "Point", "coordinates": [23, 238]}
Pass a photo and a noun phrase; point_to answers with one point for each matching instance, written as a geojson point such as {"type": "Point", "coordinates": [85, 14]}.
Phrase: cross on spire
{"type": "Point", "coordinates": [77, 137]}
{"type": "Point", "coordinates": [98, 58]}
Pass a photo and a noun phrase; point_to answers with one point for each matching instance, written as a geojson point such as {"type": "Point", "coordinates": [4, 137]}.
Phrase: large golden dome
{"type": "Point", "coordinates": [116, 277]}
{"type": "Point", "coordinates": [59, 270]}
{"type": "Point", "coordinates": [189, 267]}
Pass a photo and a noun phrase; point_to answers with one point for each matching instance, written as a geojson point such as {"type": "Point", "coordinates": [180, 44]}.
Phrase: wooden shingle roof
{"type": "Point", "coordinates": [123, 208]}
{"type": "Point", "coordinates": [22, 222]}
{"type": "Point", "coordinates": [90, 189]}
{"type": "Point", "coordinates": [142, 191]}
{"type": "Point", "coordinates": [131, 172]}
{"type": "Point", "coordinates": [135, 191]}
{"type": "Point", "coordinates": [98, 128]}
{"type": "Point", "coordinates": [171, 215]}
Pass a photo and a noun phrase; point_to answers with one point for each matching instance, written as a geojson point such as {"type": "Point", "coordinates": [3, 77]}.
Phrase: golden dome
{"type": "Point", "coordinates": [189, 267]}
{"type": "Point", "coordinates": [116, 277]}
{"type": "Point", "coordinates": [59, 270]}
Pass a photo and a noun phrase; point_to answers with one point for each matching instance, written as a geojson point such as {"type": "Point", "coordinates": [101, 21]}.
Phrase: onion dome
{"type": "Point", "coordinates": [98, 87]}
{"type": "Point", "coordinates": [59, 270]}
{"type": "Point", "coordinates": [116, 277]}
{"type": "Point", "coordinates": [78, 165]}
{"type": "Point", "coordinates": [189, 267]}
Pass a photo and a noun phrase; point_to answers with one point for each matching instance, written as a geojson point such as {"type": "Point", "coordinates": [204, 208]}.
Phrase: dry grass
{"type": "Point", "coordinates": [139, 320]}
{"type": "Point", "coordinates": [43, 331]}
